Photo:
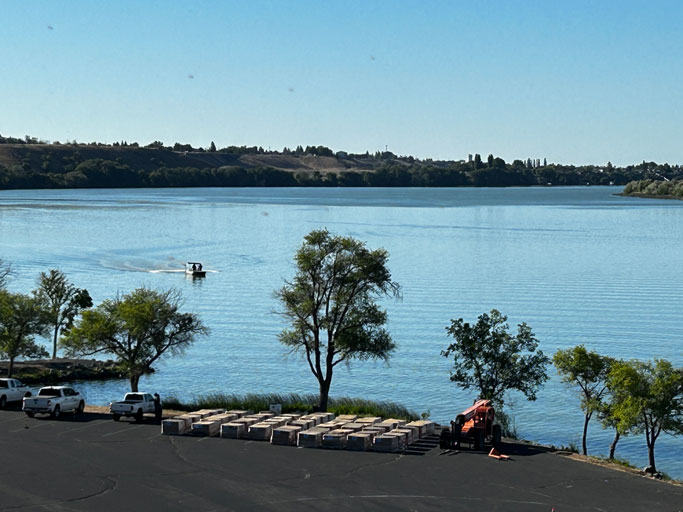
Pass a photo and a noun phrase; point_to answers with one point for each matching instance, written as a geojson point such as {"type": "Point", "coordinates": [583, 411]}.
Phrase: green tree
{"type": "Point", "coordinates": [5, 270]}
{"type": "Point", "coordinates": [331, 306]}
{"type": "Point", "coordinates": [212, 147]}
{"type": "Point", "coordinates": [487, 357]}
{"type": "Point", "coordinates": [587, 371]}
{"type": "Point", "coordinates": [139, 329]}
{"type": "Point", "coordinates": [648, 398]}
{"type": "Point", "coordinates": [61, 302]}
{"type": "Point", "coordinates": [20, 320]}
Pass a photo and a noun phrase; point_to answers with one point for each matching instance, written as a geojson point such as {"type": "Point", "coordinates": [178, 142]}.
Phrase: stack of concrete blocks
{"type": "Point", "coordinates": [385, 443]}
{"type": "Point", "coordinates": [402, 438]}
{"type": "Point", "coordinates": [260, 432]}
{"type": "Point", "coordinates": [311, 438]}
{"type": "Point", "coordinates": [354, 427]}
{"type": "Point", "coordinates": [286, 435]}
{"type": "Point", "coordinates": [211, 425]}
{"type": "Point", "coordinates": [208, 412]}
{"type": "Point", "coordinates": [305, 424]}
{"type": "Point", "coordinates": [359, 441]}
{"type": "Point", "coordinates": [426, 427]}
{"type": "Point", "coordinates": [405, 431]}
{"type": "Point", "coordinates": [368, 420]}
{"type": "Point", "coordinates": [240, 413]}
{"type": "Point", "coordinates": [293, 416]}
{"type": "Point", "coordinates": [176, 426]}
{"type": "Point", "coordinates": [234, 430]}
{"type": "Point", "coordinates": [390, 423]}
{"type": "Point", "coordinates": [336, 439]}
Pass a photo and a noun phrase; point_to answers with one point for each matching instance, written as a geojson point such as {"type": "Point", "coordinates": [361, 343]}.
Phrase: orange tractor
{"type": "Point", "coordinates": [474, 426]}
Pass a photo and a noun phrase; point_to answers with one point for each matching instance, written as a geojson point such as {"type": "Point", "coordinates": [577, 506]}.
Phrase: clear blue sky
{"type": "Point", "coordinates": [573, 81]}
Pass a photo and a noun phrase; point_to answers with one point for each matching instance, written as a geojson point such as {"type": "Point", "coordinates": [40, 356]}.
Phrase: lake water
{"type": "Point", "coordinates": [580, 265]}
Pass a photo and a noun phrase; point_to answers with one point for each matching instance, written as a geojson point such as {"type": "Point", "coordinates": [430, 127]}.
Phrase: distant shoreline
{"type": "Point", "coordinates": [650, 196]}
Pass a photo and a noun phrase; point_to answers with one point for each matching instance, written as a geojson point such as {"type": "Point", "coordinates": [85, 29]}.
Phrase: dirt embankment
{"type": "Point", "coordinates": [53, 371]}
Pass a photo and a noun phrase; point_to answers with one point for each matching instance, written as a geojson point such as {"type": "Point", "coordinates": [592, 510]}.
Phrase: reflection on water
{"type": "Point", "coordinates": [579, 265]}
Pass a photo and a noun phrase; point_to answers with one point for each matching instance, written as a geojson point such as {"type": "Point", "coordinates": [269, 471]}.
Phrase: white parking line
{"type": "Point", "coordinates": [91, 424]}
{"type": "Point", "coordinates": [119, 431]}
{"type": "Point", "coordinates": [33, 425]}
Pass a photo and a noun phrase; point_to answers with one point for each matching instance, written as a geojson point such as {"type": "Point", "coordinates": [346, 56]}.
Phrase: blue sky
{"type": "Point", "coordinates": [571, 81]}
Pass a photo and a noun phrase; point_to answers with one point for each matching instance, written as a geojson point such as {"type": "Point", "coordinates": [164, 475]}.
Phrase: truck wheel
{"type": "Point", "coordinates": [497, 435]}
{"type": "Point", "coordinates": [55, 414]}
{"type": "Point", "coordinates": [3, 401]}
{"type": "Point", "coordinates": [138, 416]}
{"type": "Point", "coordinates": [79, 409]}
{"type": "Point", "coordinates": [30, 414]}
{"type": "Point", "coordinates": [27, 395]}
{"type": "Point", "coordinates": [116, 417]}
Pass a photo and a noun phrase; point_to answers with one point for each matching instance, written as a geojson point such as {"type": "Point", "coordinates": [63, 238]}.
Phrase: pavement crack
{"type": "Point", "coordinates": [112, 485]}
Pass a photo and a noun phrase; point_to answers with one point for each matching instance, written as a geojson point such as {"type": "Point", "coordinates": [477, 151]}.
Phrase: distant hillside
{"type": "Point", "coordinates": [32, 164]}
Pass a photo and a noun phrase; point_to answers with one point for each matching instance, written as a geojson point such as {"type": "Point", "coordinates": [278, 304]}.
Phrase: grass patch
{"type": "Point", "coordinates": [292, 402]}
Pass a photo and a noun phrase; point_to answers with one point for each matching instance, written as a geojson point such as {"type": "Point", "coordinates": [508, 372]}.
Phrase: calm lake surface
{"type": "Point", "coordinates": [580, 265]}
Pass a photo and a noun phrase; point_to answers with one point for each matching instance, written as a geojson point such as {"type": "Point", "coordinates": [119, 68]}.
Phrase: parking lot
{"type": "Point", "coordinates": [93, 463]}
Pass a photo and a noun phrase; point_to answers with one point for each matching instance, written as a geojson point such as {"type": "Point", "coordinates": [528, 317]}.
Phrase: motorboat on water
{"type": "Point", "coordinates": [194, 269]}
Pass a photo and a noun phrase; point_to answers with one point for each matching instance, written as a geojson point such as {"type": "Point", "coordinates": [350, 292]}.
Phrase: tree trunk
{"type": "Point", "coordinates": [324, 395]}
{"type": "Point", "coordinates": [651, 455]}
{"type": "Point", "coordinates": [10, 367]}
{"type": "Point", "coordinates": [54, 343]}
{"type": "Point", "coordinates": [134, 380]}
{"type": "Point", "coordinates": [613, 445]}
{"type": "Point", "coordinates": [585, 432]}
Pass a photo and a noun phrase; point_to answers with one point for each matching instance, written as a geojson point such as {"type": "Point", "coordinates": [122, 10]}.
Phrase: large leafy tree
{"type": "Point", "coordinates": [647, 398]}
{"type": "Point", "coordinates": [139, 329]}
{"type": "Point", "coordinates": [588, 372]}
{"type": "Point", "coordinates": [20, 321]}
{"type": "Point", "coordinates": [61, 302]}
{"type": "Point", "coordinates": [5, 270]}
{"type": "Point", "coordinates": [331, 305]}
{"type": "Point", "coordinates": [492, 360]}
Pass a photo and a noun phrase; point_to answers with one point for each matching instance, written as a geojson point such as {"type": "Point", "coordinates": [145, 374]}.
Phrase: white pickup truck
{"type": "Point", "coordinates": [54, 400]}
{"type": "Point", "coordinates": [135, 405]}
{"type": "Point", "coordinates": [12, 390]}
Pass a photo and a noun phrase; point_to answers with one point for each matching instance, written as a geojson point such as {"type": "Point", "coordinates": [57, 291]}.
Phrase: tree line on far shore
{"type": "Point", "coordinates": [333, 318]}
{"type": "Point", "coordinates": [655, 188]}
{"type": "Point", "coordinates": [30, 163]}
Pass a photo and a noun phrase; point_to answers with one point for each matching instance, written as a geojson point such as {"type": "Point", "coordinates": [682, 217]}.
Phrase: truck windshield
{"type": "Point", "coordinates": [48, 392]}
{"type": "Point", "coordinates": [134, 397]}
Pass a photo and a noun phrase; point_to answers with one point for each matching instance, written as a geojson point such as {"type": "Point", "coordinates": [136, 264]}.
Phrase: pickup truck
{"type": "Point", "coordinates": [135, 405]}
{"type": "Point", "coordinates": [12, 390]}
{"type": "Point", "coordinates": [54, 400]}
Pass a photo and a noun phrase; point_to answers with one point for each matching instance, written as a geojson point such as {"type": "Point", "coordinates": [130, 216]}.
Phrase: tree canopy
{"type": "Point", "coordinates": [331, 304]}
{"type": "Point", "coordinates": [587, 371]}
{"type": "Point", "coordinates": [20, 321]}
{"type": "Point", "coordinates": [493, 361]}
{"type": "Point", "coordinates": [138, 328]}
{"type": "Point", "coordinates": [61, 301]}
{"type": "Point", "coordinates": [647, 398]}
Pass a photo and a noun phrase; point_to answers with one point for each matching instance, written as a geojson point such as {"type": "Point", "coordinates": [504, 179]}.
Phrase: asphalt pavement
{"type": "Point", "coordinates": [93, 463]}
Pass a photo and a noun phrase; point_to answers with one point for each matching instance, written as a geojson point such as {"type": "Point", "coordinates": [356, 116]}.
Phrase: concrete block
{"type": "Point", "coordinates": [193, 416]}
{"type": "Point", "coordinates": [186, 419]}
{"type": "Point", "coordinates": [359, 441]}
{"type": "Point", "coordinates": [260, 432]}
{"type": "Point", "coordinates": [239, 412]}
{"type": "Point", "coordinates": [234, 430]}
{"type": "Point", "coordinates": [206, 428]}
{"type": "Point", "coordinates": [336, 439]}
{"type": "Point", "coordinates": [426, 426]}
{"type": "Point", "coordinates": [399, 422]}
{"type": "Point", "coordinates": [208, 412]}
{"type": "Point", "coordinates": [292, 415]}
{"type": "Point", "coordinates": [304, 424]}
{"type": "Point", "coordinates": [376, 429]}
{"type": "Point", "coordinates": [407, 432]}
{"type": "Point", "coordinates": [415, 432]}
{"type": "Point", "coordinates": [369, 420]}
{"type": "Point", "coordinates": [223, 418]}
{"type": "Point", "coordinates": [390, 424]}
{"type": "Point", "coordinates": [347, 417]}
{"type": "Point", "coordinates": [248, 420]}
{"type": "Point", "coordinates": [285, 435]}
{"type": "Point", "coordinates": [355, 427]}
{"type": "Point", "coordinates": [385, 443]}
{"type": "Point", "coordinates": [174, 427]}
{"type": "Point", "coordinates": [266, 414]}
{"type": "Point", "coordinates": [311, 438]}
{"type": "Point", "coordinates": [420, 429]}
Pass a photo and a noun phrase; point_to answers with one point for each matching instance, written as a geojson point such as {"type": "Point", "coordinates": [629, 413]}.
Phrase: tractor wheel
{"type": "Point", "coordinates": [80, 408]}
{"type": "Point", "coordinates": [497, 435]}
{"type": "Point", "coordinates": [56, 413]}
{"type": "Point", "coordinates": [479, 440]}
